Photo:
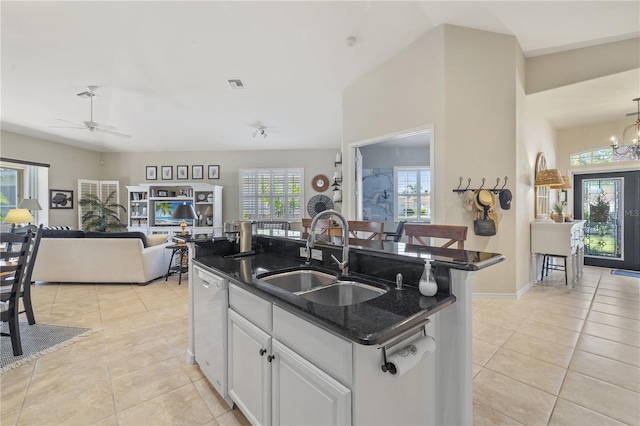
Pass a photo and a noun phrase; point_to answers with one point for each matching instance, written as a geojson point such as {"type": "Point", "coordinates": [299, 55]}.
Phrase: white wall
{"type": "Point", "coordinates": [463, 81]}
{"type": "Point", "coordinates": [68, 164]}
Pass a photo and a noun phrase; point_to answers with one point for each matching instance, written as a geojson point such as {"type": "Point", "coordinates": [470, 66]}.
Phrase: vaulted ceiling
{"type": "Point", "coordinates": [162, 67]}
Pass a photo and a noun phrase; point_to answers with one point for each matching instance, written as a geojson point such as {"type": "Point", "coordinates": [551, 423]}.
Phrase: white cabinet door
{"type": "Point", "coordinates": [302, 394]}
{"type": "Point", "coordinates": [249, 369]}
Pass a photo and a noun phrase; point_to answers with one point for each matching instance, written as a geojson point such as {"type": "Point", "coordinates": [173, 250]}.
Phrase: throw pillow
{"type": "Point", "coordinates": [156, 239]}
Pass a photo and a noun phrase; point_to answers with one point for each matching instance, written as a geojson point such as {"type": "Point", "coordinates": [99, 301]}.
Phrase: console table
{"type": "Point", "coordinates": [560, 239]}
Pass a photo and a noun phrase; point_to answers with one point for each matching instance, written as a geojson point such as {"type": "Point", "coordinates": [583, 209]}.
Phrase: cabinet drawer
{"type": "Point", "coordinates": [322, 348]}
{"type": "Point", "coordinates": [250, 306]}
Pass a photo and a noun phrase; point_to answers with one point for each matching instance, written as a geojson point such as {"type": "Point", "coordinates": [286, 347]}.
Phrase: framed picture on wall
{"type": "Point", "coordinates": [152, 173]}
{"type": "Point", "coordinates": [167, 172]}
{"type": "Point", "coordinates": [60, 199]}
{"type": "Point", "coordinates": [214, 172]}
{"type": "Point", "coordinates": [196, 172]}
{"type": "Point", "coordinates": [182, 172]}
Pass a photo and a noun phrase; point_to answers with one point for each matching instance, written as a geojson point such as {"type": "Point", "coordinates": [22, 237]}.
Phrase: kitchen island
{"type": "Point", "coordinates": [289, 359]}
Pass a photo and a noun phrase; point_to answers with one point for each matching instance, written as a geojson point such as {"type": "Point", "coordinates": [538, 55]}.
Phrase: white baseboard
{"type": "Point", "coordinates": [517, 295]}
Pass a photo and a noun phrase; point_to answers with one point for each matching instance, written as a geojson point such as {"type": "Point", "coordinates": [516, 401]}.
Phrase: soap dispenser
{"type": "Point", "coordinates": [427, 285]}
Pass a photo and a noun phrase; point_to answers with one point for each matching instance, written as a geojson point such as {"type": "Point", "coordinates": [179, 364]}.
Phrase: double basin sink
{"type": "Point", "coordinates": [323, 288]}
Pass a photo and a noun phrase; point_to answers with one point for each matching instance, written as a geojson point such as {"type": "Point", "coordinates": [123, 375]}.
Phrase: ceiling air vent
{"type": "Point", "coordinates": [236, 84]}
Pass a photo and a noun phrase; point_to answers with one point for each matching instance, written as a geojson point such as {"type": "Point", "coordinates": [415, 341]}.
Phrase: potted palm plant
{"type": "Point", "coordinates": [102, 215]}
{"type": "Point", "coordinates": [557, 212]}
{"type": "Point", "coordinates": [599, 208]}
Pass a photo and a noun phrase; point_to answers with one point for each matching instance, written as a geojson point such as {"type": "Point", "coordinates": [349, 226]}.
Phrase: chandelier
{"type": "Point", "coordinates": [631, 150]}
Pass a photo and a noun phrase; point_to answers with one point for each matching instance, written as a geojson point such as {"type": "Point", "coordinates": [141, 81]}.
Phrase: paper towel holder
{"type": "Point", "coordinates": [388, 366]}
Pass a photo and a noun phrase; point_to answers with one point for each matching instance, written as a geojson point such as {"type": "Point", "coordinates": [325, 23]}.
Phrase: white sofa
{"type": "Point", "coordinates": [100, 260]}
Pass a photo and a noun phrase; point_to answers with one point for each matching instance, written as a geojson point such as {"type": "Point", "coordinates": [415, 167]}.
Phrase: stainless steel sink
{"type": "Point", "coordinates": [299, 280]}
{"type": "Point", "coordinates": [343, 293]}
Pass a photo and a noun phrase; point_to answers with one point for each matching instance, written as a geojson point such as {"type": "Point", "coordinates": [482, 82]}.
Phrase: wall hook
{"type": "Point", "coordinates": [496, 187]}
{"type": "Point", "coordinates": [468, 184]}
{"type": "Point", "coordinates": [460, 184]}
{"type": "Point", "coordinates": [481, 186]}
{"type": "Point", "coordinates": [505, 183]}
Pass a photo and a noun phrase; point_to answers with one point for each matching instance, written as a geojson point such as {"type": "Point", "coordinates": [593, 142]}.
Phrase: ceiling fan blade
{"type": "Point", "coordinates": [67, 127]}
{"type": "Point", "coordinates": [70, 122]}
{"type": "Point", "coordinates": [111, 132]}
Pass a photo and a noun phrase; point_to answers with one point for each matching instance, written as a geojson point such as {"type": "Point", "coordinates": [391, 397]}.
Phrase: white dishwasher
{"type": "Point", "coordinates": [211, 300]}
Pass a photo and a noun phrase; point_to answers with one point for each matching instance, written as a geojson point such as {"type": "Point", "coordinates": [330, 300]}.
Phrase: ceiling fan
{"type": "Point", "coordinates": [91, 125]}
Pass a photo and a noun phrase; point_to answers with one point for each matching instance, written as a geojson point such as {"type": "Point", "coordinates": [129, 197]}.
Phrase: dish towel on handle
{"type": "Point", "coordinates": [409, 356]}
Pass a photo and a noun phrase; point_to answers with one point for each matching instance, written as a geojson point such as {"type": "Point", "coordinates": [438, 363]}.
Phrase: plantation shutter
{"type": "Point", "coordinates": [271, 194]}
{"type": "Point", "coordinates": [100, 188]}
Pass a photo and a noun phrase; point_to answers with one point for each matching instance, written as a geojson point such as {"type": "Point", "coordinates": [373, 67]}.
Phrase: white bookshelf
{"type": "Point", "coordinates": [145, 199]}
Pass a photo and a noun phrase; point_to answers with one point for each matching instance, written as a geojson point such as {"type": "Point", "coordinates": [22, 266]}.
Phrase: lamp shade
{"type": "Point", "coordinates": [184, 211]}
{"type": "Point", "coordinates": [209, 210]}
{"type": "Point", "coordinates": [548, 177]}
{"type": "Point", "coordinates": [566, 184]}
{"type": "Point", "coordinates": [18, 216]}
{"type": "Point", "coordinates": [29, 204]}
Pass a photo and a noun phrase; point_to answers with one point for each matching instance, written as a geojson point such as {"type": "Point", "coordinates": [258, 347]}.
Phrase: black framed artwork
{"type": "Point", "coordinates": [60, 199]}
{"type": "Point", "coordinates": [152, 173]}
{"type": "Point", "coordinates": [182, 172]}
{"type": "Point", "coordinates": [214, 172]}
{"type": "Point", "coordinates": [167, 172]}
{"type": "Point", "coordinates": [196, 172]}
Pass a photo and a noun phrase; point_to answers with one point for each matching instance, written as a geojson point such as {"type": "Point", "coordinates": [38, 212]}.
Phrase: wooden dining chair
{"type": "Point", "coordinates": [372, 230]}
{"type": "Point", "coordinates": [322, 226]}
{"type": "Point", "coordinates": [12, 263]}
{"type": "Point", "coordinates": [25, 289]}
{"type": "Point", "coordinates": [455, 233]}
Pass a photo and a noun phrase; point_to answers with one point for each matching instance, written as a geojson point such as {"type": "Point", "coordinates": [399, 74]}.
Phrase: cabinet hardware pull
{"type": "Point", "coordinates": [271, 358]}
{"type": "Point", "coordinates": [262, 352]}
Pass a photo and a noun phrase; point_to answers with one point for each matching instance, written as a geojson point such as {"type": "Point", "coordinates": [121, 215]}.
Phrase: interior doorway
{"type": "Point", "coordinates": [609, 202]}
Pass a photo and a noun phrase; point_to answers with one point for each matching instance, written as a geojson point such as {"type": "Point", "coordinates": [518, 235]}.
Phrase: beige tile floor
{"type": "Point", "coordinates": [557, 356]}
{"type": "Point", "coordinates": [552, 357]}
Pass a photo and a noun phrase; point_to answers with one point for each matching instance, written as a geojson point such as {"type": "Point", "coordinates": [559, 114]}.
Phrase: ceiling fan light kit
{"type": "Point", "coordinates": [91, 125]}
{"type": "Point", "coordinates": [260, 130]}
{"type": "Point", "coordinates": [632, 149]}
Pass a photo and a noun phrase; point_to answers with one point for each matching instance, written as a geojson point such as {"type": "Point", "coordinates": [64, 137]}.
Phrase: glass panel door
{"type": "Point", "coordinates": [609, 202]}
{"type": "Point", "coordinates": [602, 207]}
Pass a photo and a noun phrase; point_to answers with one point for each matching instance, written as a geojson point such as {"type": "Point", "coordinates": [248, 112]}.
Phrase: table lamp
{"type": "Point", "coordinates": [16, 216]}
{"type": "Point", "coordinates": [184, 211]}
{"type": "Point", "coordinates": [29, 204]}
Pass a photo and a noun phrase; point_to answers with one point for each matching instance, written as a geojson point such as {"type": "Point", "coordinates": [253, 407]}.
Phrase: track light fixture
{"type": "Point", "coordinates": [260, 130]}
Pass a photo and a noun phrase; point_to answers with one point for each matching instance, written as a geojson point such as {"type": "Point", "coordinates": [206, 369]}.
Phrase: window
{"type": "Point", "coordinates": [10, 184]}
{"type": "Point", "coordinates": [413, 194]}
{"type": "Point", "coordinates": [597, 156]}
{"type": "Point", "coordinates": [271, 194]}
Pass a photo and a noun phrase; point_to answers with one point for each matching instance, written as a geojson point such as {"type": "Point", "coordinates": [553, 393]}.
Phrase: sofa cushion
{"type": "Point", "coordinates": [62, 233]}
{"type": "Point", "coordinates": [156, 239]}
{"type": "Point", "coordinates": [138, 235]}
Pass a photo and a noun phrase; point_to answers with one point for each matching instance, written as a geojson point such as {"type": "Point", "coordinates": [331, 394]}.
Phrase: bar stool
{"type": "Point", "coordinates": [182, 250]}
{"type": "Point", "coordinates": [546, 266]}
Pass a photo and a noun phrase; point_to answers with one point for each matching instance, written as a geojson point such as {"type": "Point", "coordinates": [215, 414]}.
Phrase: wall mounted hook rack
{"type": "Point", "coordinates": [495, 189]}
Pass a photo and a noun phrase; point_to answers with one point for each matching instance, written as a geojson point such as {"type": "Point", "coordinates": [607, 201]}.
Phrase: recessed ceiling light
{"type": "Point", "coordinates": [236, 84]}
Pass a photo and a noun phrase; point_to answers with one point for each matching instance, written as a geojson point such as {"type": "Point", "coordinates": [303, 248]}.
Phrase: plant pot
{"type": "Point", "coordinates": [599, 214]}
{"type": "Point", "coordinates": [558, 218]}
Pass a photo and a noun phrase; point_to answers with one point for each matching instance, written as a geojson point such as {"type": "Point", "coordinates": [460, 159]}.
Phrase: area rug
{"type": "Point", "coordinates": [37, 340]}
{"type": "Point", "coordinates": [625, 273]}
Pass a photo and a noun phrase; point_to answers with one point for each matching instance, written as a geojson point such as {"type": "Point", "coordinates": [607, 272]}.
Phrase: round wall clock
{"type": "Point", "coordinates": [318, 204]}
{"type": "Point", "coordinates": [320, 183]}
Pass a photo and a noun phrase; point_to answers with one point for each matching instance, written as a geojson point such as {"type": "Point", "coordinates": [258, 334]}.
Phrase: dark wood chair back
{"type": "Point", "coordinates": [372, 230]}
{"type": "Point", "coordinates": [13, 261]}
{"type": "Point", "coordinates": [455, 233]}
{"type": "Point", "coordinates": [322, 226]}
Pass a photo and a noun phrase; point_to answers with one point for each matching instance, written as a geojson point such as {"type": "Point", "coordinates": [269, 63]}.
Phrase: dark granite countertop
{"type": "Point", "coordinates": [372, 322]}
